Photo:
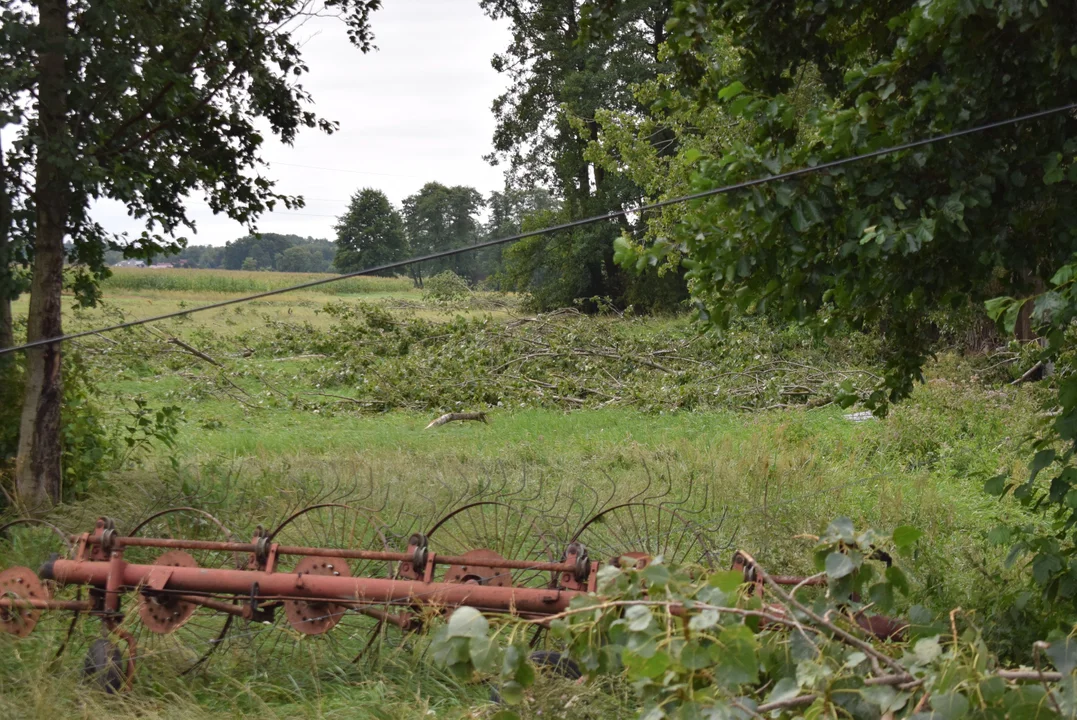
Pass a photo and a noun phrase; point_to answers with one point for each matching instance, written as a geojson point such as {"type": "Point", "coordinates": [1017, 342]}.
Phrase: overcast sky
{"type": "Point", "coordinates": [415, 110]}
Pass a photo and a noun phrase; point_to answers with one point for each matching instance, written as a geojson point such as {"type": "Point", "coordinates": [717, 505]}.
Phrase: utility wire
{"type": "Point", "coordinates": [557, 228]}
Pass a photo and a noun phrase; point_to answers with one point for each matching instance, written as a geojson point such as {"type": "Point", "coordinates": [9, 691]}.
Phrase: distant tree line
{"type": "Point", "coordinates": [267, 251]}
{"type": "Point", "coordinates": [373, 232]}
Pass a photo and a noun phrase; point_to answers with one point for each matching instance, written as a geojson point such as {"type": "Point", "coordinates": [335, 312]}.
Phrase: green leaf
{"type": "Point", "coordinates": [841, 529]}
{"type": "Point", "coordinates": [926, 650]}
{"type": "Point", "coordinates": [993, 688]}
{"type": "Point", "coordinates": [696, 656]}
{"type": "Point", "coordinates": [1052, 169]}
{"type": "Point", "coordinates": [1063, 654]}
{"type": "Point", "coordinates": [882, 696]}
{"type": "Point", "coordinates": [1009, 320]}
{"type": "Point", "coordinates": [882, 595]}
{"type": "Point", "coordinates": [708, 618]}
{"type": "Point", "coordinates": [736, 655]}
{"type": "Point", "coordinates": [1064, 274]}
{"type": "Point", "coordinates": [525, 674]}
{"type": "Point", "coordinates": [625, 253]}
{"type": "Point", "coordinates": [1045, 566]}
{"type": "Point", "coordinates": [639, 667]}
{"type": "Point", "coordinates": [468, 622]}
{"type": "Point", "coordinates": [639, 618]}
{"type": "Point", "coordinates": [691, 155]}
{"type": "Point", "coordinates": [728, 581]}
{"type": "Point", "coordinates": [838, 565]}
{"type": "Point", "coordinates": [485, 654]}
{"type": "Point", "coordinates": [996, 485]}
{"type": "Point", "coordinates": [897, 578]}
{"type": "Point", "coordinates": [1041, 460]}
{"type": "Point", "coordinates": [731, 91]}
{"type": "Point", "coordinates": [906, 535]}
{"type": "Point", "coordinates": [738, 106]}
{"type": "Point", "coordinates": [799, 220]}
{"type": "Point", "coordinates": [656, 575]}
{"type": "Point", "coordinates": [949, 706]}
{"type": "Point", "coordinates": [784, 689]}
{"type": "Point", "coordinates": [997, 306]}
{"type": "Point", "coordinates": [511, 661]}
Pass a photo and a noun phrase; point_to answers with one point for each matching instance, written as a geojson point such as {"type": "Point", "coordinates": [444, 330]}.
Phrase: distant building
{"type": "Point", "coordinates": [130, 263]}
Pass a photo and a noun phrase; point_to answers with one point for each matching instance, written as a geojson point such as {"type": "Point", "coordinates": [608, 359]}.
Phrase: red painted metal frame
{"type": "Point", "coordinates": [98, 561]}
{"type": "Point", "coordinates": [116, 576]}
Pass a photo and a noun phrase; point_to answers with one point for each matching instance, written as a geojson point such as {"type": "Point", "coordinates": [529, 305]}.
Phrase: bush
{"type": "Point", "coordinates": [87, 447]}
{"type": "Point", "coordinates": [446, 286]}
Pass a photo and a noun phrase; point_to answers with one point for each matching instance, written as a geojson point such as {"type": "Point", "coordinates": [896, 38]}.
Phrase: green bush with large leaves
{"type": "Point", "coordinates": [697, 644]}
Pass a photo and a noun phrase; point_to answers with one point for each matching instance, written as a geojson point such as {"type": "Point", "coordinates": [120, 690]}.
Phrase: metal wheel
{"type": "Point", "coordinates": [639, 530]}
{"type": "Point", "coordinates": [307, 636]}
{"type": "Point", "coordinates": [57, 636]}
{"type": "Point", "coordinates": [195, 632]}
{"type": "Point", "coordinates": [496, 527]}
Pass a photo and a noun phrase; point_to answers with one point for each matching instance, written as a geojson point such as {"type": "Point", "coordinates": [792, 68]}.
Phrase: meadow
{"type": "Point", "coordinates": [326, 395]}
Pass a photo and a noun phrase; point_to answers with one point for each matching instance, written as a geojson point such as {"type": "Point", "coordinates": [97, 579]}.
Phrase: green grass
{"type": "Point", "coordinates": [242, 281]}
{"type": "Point", "coordinates": [760, 481]}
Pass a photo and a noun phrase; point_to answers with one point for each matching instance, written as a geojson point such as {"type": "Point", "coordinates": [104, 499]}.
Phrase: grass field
{"type": "Point", "coordinates": [256, 441]}
{"type": "Point", "coordinates": [241, 281]}
{"type": "Point", "coordinates": [137, 292]}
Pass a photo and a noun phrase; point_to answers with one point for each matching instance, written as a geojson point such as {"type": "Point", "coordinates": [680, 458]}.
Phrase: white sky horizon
{"type": "Point", "coordinates": [415, 110]}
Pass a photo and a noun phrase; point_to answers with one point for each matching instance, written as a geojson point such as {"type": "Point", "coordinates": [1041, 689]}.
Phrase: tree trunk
{"type": "Point", "coordinates": [37, 467]}
{"type": "Point", "coordinates": [7, 332]}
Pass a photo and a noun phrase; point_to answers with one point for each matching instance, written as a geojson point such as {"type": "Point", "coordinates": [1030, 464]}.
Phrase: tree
{"type": "Point", "coordinates": [883, 242]}
{"type": "Point", "coordinates": [509, 211]}
{"type": "Point", "coordinates": [261, 249]}
{"type": "Point", "coordinates": [371, 232]}
{"type": "Point", "coordinates": [439, 217]}
{"type": "Point", "coordinates": [140, 104]}
{"type": "Point", "coordinates": [561, 79]}
{"type": "Point", "coordinates": [301, 258]}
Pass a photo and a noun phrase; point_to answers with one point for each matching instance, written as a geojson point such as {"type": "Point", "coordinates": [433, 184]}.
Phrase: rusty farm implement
{"type": "Point", "coordinates": [327, 584]}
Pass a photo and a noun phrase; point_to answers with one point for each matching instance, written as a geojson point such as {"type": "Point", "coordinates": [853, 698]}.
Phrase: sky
{"type": "Point", "coordinates": [415, 110]}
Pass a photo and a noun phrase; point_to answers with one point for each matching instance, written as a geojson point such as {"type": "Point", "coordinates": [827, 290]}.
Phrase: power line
{"type": "Point", "coordinates": [556, 228]}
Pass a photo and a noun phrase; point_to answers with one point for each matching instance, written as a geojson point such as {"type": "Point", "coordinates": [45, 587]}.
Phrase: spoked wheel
{"type": "Point", "coordinates": [640, 532]}
{"type": "Point", "coordinates": [171, 634]}
{"type": "Point", "coordinates": [308, 636]}
{"type": "Point", "coordinates": [491, 530]}
{"type": "Point", "coordinates": [51, 636]}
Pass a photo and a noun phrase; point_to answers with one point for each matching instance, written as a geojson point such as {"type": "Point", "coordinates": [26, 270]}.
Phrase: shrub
{"type": "Point", "coordinates": [87, 447]}
{"type": "Point", "coordinates": [446, 286]}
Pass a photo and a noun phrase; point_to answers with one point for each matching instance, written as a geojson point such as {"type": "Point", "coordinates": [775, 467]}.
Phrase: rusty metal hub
{"type": "Point", "coordinates": [160, 611]}
{"type": "Point", "coordinates": [481, 575]}
{"type": "Point", "coordinates": [314, 617]}
{"type": "Point", "coordinates": [20, 583]}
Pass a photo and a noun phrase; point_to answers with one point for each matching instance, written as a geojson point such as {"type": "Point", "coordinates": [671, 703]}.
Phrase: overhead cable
{"type": "Point", "coordinates": [789, 175]}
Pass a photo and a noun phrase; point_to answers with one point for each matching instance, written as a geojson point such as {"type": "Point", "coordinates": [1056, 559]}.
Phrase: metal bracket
{"type": "Point", "coordinates": [417, 550]}
{"type": "Point", "coordinates": [575, 554]}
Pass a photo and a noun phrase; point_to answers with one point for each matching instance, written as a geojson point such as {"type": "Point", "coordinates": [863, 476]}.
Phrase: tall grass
{"type": "Point", "coordinates": [243, 281]}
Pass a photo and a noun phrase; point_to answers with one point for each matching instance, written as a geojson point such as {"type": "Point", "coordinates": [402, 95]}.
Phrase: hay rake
{"type": "Point", "coordinates": [328, 582]}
